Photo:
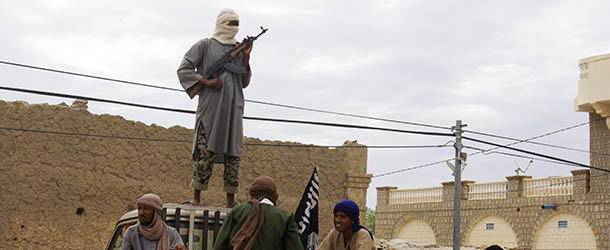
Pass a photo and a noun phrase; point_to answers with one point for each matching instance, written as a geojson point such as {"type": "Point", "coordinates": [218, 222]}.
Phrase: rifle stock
{"type": "Point", "coordinates": [193, 91]}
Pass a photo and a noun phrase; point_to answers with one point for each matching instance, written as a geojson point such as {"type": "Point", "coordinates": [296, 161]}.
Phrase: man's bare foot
{"type": "Point", "coordinates": [230, 200]}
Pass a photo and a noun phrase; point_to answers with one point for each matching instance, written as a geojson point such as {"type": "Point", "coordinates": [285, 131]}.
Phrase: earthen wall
{"type": "Point", "coordinates": [66, 191]}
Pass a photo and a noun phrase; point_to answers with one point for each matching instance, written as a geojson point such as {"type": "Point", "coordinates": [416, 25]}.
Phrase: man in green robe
{"type": "Point", "coordinates": [259, 224]}
{"type": "Point", "coordinates": [219, 135]}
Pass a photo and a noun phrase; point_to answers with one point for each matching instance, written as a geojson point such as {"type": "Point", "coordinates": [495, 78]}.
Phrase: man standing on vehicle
{"type": "Point", "coordinates": [219, 120]}
{"type": "Point", "coordinates": [259, 224]}
{"type": "Point", "coordinates": [151, 232]}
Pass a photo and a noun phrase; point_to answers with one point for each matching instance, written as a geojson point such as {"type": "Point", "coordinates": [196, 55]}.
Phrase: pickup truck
{"type": "Point", "coordinates": [198, 225]}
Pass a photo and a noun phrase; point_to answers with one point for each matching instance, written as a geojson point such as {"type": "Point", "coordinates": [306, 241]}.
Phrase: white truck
{"type": "Point", "coordinates": [198, 225]}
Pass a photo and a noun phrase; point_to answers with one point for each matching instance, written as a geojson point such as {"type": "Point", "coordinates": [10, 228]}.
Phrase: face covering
{"type": "Point", "coordinates": [223, 33]}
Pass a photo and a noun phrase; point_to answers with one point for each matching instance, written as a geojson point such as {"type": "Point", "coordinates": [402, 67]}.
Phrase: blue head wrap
{"type": "Point", "coordinates": [353, 212]}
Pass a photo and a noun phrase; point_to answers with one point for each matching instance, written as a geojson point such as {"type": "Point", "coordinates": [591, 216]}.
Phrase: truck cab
{"type": "Point", "coordinates": [198, 225]}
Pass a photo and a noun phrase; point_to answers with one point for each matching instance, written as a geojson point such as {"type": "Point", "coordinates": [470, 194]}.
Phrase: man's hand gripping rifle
{"type": "Point", "coordinates": [218, 67]}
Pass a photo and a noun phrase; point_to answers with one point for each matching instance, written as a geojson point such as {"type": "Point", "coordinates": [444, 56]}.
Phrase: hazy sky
{"type": "Point", "coordinates": [508, 68]}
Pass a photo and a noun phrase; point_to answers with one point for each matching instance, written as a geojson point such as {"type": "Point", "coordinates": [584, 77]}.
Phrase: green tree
{"type": "Point", "coordinates": [370, 219]}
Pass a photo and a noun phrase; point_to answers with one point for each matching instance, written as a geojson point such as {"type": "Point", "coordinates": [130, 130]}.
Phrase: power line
{"type": "Point", "coordinates": [491, 149]}
{"type": "Point", "coordinates": [350, 115]}
{"type": "Point", "coordinates": [89, 76]}
{"type": "Point", "coordinates": [245, 117]}
{"type": "Point", "coordinates": [247, 100]}
{"type": "Point", "coordinates": [536, 154]}
{"type": "Point", "coordinates": [300, 108]}
{"type": "Point", "coordinates": [482, 151]}
{"type": "Point", "coordinates": [543, 144]}
{"type": "Point", "coordinates": [93, 135]}
{"type": "Point", "coordinates": [535, 137]}
{"type": "Point", "coordinates": [245, 144]}
{"type": "Point", "coordinates": [520, 156]}
{"type": "Point", "coordinates": [350, 126]}
{"type": "Point", "coordinates": [412, 168]}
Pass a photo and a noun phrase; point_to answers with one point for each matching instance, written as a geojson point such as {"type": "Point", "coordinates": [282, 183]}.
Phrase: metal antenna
{"type": "Point", "coordinates": [519, 169]}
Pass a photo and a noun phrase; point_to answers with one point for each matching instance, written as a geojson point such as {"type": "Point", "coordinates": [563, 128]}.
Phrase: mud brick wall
{"type": "Point", "coordinates": [67, 191]}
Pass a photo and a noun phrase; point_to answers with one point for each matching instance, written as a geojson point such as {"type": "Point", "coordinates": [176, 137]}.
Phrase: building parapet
{"type": "Point", "coordinates": [407, 196]}
{"type": "Point", "coordinates": [490, 190]}
{"type": "Point", "coordinates": [516, 186]}
{"type": "Point", "coordinates": [548, 186]}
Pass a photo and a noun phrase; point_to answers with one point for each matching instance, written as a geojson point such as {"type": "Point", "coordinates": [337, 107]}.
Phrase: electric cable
{"type": "Point", "coordinates": [89, 76]}
{"type": "Point", "coordinates": [245, 117]}
{"type": "Point", "coordinates": [509, 144]}
{"type": "Point", "coordinates": [300, 108]}
{"type": "Point", "coordinates": [349, 115]}
{"type": "Point", "coordinates": [247, 100]}
{"type": "Point", "coordinates": [521, 156]}
{"type": "Point", "coordinates": [534, 153]}
{"type": "Point", "coordinates": [411, 168]}
{"type": "Point", "coordinates": [547, 134]}
{"type": "Point", "coordinates": [245, 144]}
{"type": "Point", "coordinates": [535, 137]}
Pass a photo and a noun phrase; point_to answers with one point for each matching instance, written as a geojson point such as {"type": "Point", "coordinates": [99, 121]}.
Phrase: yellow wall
{"type": "Point", "coordinates": [578, 234]}
{"type": "Point", "coordinates": [502, 234]}
{"type": "Point", "coordinates": [416, 231]}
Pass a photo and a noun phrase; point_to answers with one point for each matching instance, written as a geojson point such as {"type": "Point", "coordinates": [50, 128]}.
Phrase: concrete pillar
{"type": "Point", "coordinates": [581, 182]}
{"type": "Point", "coordinates": [383, 195]}
{"type": "Point", "coordinates": [516, 185]}
{"type": "Point", "coordinates": [356, 191]}
{"type": "Point", "coordinates": [357, 179]}
{"type": "Point", "coordinates": [448, 190]}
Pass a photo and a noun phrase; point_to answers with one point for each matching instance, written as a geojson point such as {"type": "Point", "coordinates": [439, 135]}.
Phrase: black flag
{"type": "Point", "coordinates": [306, 215]}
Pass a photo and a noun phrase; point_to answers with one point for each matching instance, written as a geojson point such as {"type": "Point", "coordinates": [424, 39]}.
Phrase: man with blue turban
{"type": "Point", "coordinates": [348, 233]}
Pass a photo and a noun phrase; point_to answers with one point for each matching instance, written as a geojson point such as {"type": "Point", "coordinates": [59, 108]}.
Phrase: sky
{"type": "Point", "coordinates": [506, 68]}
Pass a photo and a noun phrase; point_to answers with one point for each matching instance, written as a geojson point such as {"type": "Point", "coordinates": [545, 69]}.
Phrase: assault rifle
{"type": "Point", "coordinates": [218, 67]}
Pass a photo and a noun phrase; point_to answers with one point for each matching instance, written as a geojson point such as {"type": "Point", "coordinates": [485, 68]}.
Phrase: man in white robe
{"type": "Point", "coordinates": [219, 120]}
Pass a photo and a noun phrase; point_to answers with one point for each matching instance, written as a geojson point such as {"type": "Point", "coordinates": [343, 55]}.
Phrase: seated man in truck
{"type": "Point", "coordinates": [259, 224]}
{"type": "Point", "coordinates": [348, 233]}
{"type": "Point", "coordinates": [151, 232]}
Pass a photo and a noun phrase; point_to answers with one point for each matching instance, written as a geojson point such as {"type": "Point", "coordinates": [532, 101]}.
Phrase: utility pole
{"type": "Point", "coordinates": [457, 184]}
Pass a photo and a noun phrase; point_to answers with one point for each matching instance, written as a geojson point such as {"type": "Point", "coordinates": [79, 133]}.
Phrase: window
{"type": "Point", "coordinates": [562, 224]}
{"type": "Point", "coordinates": [117, 239]}
{"type": "Point", "coordinates": [197, 235]}
{"type": "Point", "coordinates": [489, 226]}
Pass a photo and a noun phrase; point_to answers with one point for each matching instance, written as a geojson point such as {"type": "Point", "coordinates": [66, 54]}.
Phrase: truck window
{"type": "Point", "coordinates": [117, 238]}
{"type": "Point", "coordinates": [197, 235]}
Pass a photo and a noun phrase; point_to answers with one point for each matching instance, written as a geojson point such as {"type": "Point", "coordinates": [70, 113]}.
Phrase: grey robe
{"type": "Point", "coordinates": [133, 241]}
{"type": "Point", "coordinates": [221, 111]}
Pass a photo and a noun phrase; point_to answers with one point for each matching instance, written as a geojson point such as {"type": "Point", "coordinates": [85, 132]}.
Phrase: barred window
{"type": "Point", "coordinates": [489, 226]}
{"type": "Point", "coordinates": [562, 224]}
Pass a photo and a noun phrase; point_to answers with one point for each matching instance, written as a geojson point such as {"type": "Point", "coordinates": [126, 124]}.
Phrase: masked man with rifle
{"type": "Point", "coordinates": [217, 69]}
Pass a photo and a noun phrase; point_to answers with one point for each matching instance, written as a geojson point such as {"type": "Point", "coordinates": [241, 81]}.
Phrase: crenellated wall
{"type": "Point", "coordinates": [66, 191]}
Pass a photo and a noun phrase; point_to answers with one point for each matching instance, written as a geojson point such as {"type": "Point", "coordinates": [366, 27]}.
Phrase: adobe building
{"type": "Point", "coordinates": [571, 212]}
{"type": "Point", "coordinates": [67, 175]}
